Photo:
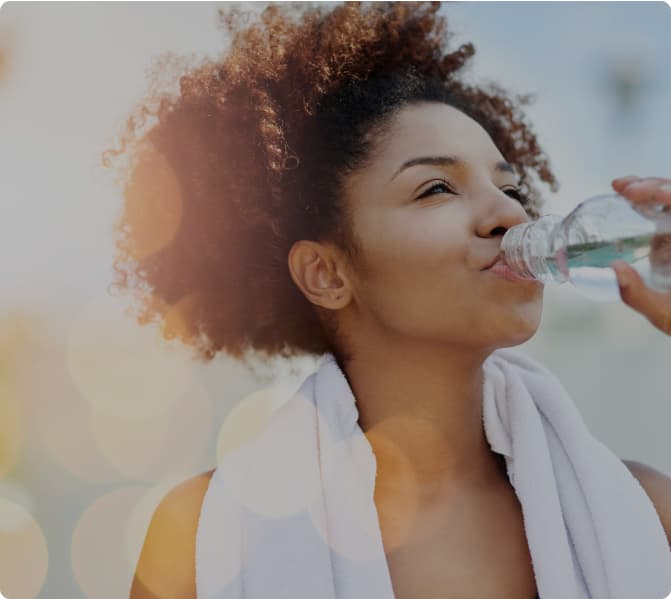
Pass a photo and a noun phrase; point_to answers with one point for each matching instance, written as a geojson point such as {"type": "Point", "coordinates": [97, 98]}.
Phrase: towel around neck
{"type": "Point", "coordinates": [289, 514]}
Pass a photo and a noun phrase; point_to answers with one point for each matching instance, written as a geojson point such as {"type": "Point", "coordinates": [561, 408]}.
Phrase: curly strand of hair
{"type": "Point", "coordinates": [455, 61]}
{"type": "Point", "coordinates": [272, 137]}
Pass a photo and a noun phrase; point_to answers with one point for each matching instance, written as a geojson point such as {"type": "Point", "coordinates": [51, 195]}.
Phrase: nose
{"type": "Point", "coordinates": [498, 213]}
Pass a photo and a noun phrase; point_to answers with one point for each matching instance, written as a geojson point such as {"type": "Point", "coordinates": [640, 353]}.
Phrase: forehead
{"type": "Point", "coordinates": [437, 129]}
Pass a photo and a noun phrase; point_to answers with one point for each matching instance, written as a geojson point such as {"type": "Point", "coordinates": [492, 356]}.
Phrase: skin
{"type": "Point", "coordinates": [654, 305]}
{"type": "Point", "coordinates": [419, 314]}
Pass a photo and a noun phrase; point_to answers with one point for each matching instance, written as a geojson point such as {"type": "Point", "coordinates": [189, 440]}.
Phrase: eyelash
{"type": "Point", "coordinates": [518, 195]}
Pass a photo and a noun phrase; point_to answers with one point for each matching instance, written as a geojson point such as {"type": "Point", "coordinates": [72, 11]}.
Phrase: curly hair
{"type": "Point", "coordinates": [255, 151]}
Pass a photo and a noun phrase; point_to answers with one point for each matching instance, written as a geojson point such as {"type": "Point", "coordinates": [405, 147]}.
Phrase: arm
{"type": "Point", "coordinates": [658, 487]}
{"type": "Point", "coordinates": [166, 567]}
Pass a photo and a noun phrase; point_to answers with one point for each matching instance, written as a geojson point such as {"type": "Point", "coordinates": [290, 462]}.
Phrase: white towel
{"type": "Point", "coordinates": [290, 513]}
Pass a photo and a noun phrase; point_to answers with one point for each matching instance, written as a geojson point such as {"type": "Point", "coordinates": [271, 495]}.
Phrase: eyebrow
{"type": "Point", "coordinates": [502, 166]}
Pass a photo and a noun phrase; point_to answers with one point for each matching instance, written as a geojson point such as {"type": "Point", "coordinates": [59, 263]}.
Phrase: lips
{"type": "Point", "coordinates": [501, 269]}
{"type": "Point", "coordinates": [494, 261]}
{"type": "Point", "coordinates": [498, 267]}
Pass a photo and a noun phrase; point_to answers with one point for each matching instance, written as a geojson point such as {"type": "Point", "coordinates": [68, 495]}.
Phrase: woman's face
{"type": "Point", "coordinates": [426, 232]}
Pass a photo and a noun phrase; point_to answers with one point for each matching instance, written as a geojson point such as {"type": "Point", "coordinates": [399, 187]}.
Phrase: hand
{"type": "Point", "coordinates": [654, 305]}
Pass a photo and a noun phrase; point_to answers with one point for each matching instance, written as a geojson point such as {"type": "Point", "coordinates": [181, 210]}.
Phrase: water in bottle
{"type": "Point", "coordinates": [580, 247]}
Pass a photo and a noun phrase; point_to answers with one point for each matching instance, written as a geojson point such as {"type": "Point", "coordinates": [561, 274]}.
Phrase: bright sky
{"type": "Point", "coordinates": [75, 69]}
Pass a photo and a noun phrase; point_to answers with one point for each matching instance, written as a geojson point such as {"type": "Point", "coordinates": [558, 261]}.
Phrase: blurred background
{"type": "Point", "coordinates": [99, 417]}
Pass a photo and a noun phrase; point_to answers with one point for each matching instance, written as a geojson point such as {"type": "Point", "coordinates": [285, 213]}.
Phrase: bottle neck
{"type": "Point", "coordinates": [514, 249]}
{"type": "Point", "coordinates": [527, 249]}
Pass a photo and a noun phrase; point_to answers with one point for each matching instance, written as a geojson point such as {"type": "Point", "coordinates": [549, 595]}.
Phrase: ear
{"type": "Point", "coordinates": [318, 271]}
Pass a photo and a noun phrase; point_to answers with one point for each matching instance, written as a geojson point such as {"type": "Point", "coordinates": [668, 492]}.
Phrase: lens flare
{"type": "Point", "coordinates": [23, 547]}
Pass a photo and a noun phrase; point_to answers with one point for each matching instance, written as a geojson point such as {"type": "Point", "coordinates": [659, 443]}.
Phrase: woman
{"type": "Point", "coordinates": [343, 190]}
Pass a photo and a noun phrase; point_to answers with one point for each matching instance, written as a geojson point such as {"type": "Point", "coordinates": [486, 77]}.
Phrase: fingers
{"type": "Point", "coordinates": [644, 189]}
{"type": "Point", "coordinates": [655, 306]}
{"type": "Point", "coordinates": [621, 182]}
{"type": "Point", "coordinates": [624, 181]}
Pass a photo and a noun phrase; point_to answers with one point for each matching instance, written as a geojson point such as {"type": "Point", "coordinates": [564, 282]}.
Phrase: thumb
{"type": "Point", "coordinates": [636, 294]}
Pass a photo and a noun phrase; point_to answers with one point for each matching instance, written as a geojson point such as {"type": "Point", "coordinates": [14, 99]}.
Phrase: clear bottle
{"type": "Point", "coordinates": [581, 246]}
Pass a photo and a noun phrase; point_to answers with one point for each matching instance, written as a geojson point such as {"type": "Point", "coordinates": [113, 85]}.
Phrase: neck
{"type": "Point", "coordinates": [421, 410]}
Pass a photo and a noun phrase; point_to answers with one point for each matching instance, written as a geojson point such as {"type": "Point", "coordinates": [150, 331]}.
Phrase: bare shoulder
{"type": "Point", "coordinates": [657, 485]}
{"type": "Point", "coordinates": [166, 566]}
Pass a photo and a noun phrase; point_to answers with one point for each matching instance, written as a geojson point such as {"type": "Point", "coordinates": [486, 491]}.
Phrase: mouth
{"type": "Point", "coordinates": [501, 269]}
{"type": "Point", "coordinates": [494, 261]}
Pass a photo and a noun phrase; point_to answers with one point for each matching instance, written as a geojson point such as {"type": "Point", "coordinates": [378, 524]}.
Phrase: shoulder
{"type": "Point", "coordinates": [166, 566]}
{"type": "Point", "coordinates": [658, 487]}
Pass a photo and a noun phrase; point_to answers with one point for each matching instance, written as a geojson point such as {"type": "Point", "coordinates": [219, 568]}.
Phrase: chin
{"type": "Point", "coordinates": [519, 331]}
{"type": "Point", "coordinates": [518, 340]}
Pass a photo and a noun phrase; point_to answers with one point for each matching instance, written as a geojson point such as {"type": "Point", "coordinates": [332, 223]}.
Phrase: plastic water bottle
{"type": "Point", "coordinates": [581, 246]}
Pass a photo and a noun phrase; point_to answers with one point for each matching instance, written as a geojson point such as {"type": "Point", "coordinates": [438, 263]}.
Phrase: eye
{"type": "Point", "coordinates": [437, 186]}
{"type": "Point", "coordinates": [517, 194]}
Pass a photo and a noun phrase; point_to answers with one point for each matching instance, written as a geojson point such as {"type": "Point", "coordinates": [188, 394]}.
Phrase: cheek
{"type": "Point", "coordinates": [412, 230]}
{"type": "Point", "coordinates": [417, 292]}
{"type": "Point", "coordinates": [412, 265]}
{"type": "Point", "coordinates": [420, 249]}
{"type": "Point", "coordinates": [418, 280]}
{"type": "Point", "coordinates": [415, 275]}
